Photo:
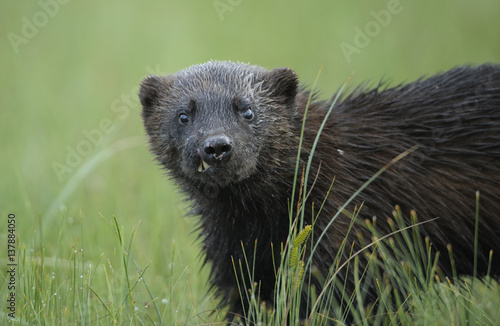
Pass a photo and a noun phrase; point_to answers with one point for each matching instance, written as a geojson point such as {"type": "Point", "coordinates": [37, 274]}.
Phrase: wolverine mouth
{"type": "Point", "coordinates": [203, 166]}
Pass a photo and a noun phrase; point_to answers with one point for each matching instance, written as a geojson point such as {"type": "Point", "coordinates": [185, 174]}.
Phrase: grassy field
{"type": "Point", "coordinates": [100, 233]}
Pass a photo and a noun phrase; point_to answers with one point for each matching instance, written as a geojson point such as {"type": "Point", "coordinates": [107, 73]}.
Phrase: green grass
{"type": "Point", "coordinates": [411, 288]}
{"type": "Point", "coordinates": [111, 288]}
{"type": "Point", "coordinates": [73, 287]}
{"type": "Point", "coordinates": [83, 67]}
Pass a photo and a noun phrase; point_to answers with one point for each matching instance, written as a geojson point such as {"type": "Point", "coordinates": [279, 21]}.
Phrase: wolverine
{"type": "Point", "coordinates": [228, 135]}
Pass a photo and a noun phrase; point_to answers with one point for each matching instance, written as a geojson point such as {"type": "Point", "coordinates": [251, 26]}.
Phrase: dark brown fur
{"type": "Point", "coordinates": [453, 117]}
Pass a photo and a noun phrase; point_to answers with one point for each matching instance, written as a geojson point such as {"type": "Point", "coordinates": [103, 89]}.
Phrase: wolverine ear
{"type": "Point", "coordinates": [151, 90]}
{"type": "Point", "coordinates": [283, 83]}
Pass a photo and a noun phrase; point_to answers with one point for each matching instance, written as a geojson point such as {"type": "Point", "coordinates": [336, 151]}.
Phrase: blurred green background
{"type": "Point", "coordinates": [73, 151]}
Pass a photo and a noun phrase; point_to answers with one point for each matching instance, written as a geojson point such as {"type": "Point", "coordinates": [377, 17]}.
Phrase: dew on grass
{"type": "Point", "coordinates": [164, 301]}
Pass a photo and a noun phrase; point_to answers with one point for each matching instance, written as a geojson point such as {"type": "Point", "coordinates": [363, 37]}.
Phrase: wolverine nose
{"type": "Point", "coordinates": [216, 148]}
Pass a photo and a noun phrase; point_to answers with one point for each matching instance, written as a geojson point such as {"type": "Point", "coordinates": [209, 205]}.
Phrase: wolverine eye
{"type": "Point", "coordinates": [248, 114]}
{"type": "Point", "coordinates": [183, 118]}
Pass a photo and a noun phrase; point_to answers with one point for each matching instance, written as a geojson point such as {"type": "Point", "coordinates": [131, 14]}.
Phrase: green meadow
{"type": "Point", "coordinates": [99, 233]}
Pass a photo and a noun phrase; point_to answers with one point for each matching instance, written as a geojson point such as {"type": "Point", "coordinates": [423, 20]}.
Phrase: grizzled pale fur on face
{"type": "Point", "coordinates": [219, 103]}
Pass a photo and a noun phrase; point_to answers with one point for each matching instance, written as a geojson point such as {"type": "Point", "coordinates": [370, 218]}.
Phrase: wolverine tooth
{"type": "Point", "coordinates": [203, 166]}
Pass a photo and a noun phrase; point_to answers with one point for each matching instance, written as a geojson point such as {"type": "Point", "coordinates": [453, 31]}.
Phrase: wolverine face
{"type": "Point", "coordinates": [209, 123]}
